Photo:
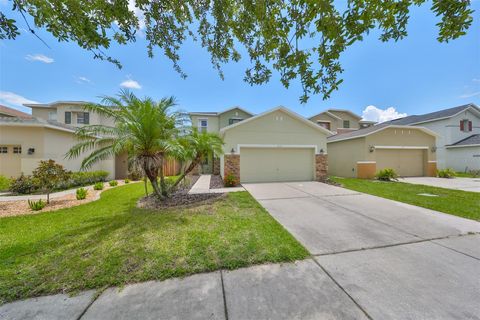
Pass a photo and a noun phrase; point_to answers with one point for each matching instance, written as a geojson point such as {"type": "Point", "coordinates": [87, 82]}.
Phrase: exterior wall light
{"type": "Point", "coordinates": [232, 151]}
{"type": "Point", "coordinates": [434, 149]}
{"type": "Point", "coordinates": [31, 150]}
{"type": "Point", "coordinates": [321, 151]}
{"type": "Point", "coordinates": [371, 148]}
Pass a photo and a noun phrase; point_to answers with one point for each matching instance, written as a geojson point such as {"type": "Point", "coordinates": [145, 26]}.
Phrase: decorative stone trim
{"type": "Point", "coordinates": [321, 167]}
{"type": "Point", "coordinates": [216, 165]}
{"type": "Point", "coordinates": [366, 169]}
{"type": "Point", "coordinates": [232, 165]}
{"type": "Point", "coordinates": [431, 169]}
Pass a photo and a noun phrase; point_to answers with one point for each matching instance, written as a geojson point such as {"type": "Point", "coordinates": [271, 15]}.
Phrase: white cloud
{"type": "Point", "coordinates": [83, 80]}
{"type": "Point", "coordinates": [39, 57]}
{"type": "Point", "coordinates": [373, 113]}
{"type": "Point", "coordinates": [14, 100]}
{"type": "Point", "coordinates": [131, 84]}
{"type": "Point", "coordinates": [470, 95]}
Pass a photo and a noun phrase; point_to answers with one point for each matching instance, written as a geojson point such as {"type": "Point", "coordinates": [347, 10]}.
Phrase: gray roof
{"type": "Point", "coordinates": [358, 133]}
{"type": "Point", "coordinates": [472, 140]}
{"type": "Point", "coordinates": [36, 122]}
{"type": "Point", "coordinates": [446, 113]}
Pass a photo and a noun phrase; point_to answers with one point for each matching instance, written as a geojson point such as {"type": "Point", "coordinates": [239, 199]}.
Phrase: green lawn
{"type": "Point", "coordinates": [465, 175]}
{"type": "Point", "coordinates": [111, 242]}
{"type": "Point", "coordinates": [459, 203]}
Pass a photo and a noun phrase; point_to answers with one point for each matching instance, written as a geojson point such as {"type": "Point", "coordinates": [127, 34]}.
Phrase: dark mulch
{"type": "Point", "coordinates": [216, 182]}
{"type": "Point", "coordinates": [332, 182]}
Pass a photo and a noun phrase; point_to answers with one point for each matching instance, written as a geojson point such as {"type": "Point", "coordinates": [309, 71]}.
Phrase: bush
{"type": "Point", "coordinates": [113, 183]}
{"type": "Point", "coordinates": [126, 180]}
{"type": "Point", "coordinates": [84, 178]}
{"type": "Point", "coordinates": [230, 180]}
{"type": "Point", "coordinates": [4, 183]}
{"type": "Point", "coordinates": [36, 205]}
{"type": "Point", "coordinates": [446, 173]}
{"type": "Point", "coordinates": [81, 194]}
{"type": "Point", "coordinates": [474, 173]}
{"type": "Point", "coordinates": [387, 174]}
{"type": "Point", "coordinates": [24, 185]}
{"type": "Point", "coordinates": [98, 186]}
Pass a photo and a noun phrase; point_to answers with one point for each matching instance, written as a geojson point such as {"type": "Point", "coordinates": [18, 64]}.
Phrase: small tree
{"type": "Point", "coordinates": [49, 174]}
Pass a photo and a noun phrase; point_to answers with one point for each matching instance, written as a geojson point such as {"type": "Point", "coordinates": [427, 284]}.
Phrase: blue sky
{"type": "Point", "coordinates": [412, 76]}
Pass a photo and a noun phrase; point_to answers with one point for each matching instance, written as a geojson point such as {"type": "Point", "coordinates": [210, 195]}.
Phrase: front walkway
{"type": "Point", "coordinates": [203, 186]}
{"type": "Point", "coordinates": [465, 184]}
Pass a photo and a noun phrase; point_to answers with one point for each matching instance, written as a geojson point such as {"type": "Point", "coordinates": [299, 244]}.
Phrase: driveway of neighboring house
{"type": "Point", "coordinates": [465, 184]}
{"type": "Point", "coordinates": [395, 261]}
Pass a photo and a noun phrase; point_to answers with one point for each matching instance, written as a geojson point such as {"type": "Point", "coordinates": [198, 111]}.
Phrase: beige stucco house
{"type": "Point", "coordinates": [48, 134]}
{"type": "Point", "coordinates": [340, 120]}
{"type": "Point", "coordinates": [410, 151]}
{"type": "Point", "coordinates": [277, 145]}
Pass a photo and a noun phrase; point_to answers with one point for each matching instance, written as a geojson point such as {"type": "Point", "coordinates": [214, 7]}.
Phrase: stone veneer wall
{"type": "Point", "coordinates": [216, 165]}
{"type": "Point", "coordinates": [232, 165]}
{"type": "Point", "coordinates": [321, 167]}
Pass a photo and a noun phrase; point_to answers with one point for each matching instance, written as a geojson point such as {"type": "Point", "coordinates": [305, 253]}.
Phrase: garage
{"type": "Point", "coordinates": [275, 146]}
{"type": "Point", "coordinates": [276, 164]}
{"type": "Point", "coordinates": [407, 162]}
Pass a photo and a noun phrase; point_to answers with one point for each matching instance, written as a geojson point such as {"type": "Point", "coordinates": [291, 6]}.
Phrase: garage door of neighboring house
{"type": "Point", "coordinates": [406, 162]}
{"type": "Point", "coordinates": [276, 164]}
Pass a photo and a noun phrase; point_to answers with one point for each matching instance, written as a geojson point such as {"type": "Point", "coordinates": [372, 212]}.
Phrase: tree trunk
{"type": "Point", "coordinates": [152, 175]}
{"type": "Point", "coordinates": [145, 183]}
{"type": "Point", "coordinates": [192, 165]}
{"type": "Point", "coordinates": [157, 190]}
{"type": "Point", "coordinates": [163, 187]}
{"type": "Point", "coordinates": [48, 197]}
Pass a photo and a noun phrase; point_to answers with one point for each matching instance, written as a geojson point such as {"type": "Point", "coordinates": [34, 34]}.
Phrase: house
{"type": "Point", "coordinates": [340, 121]}
{"type": "Point", "coordinates": [6, 112]}
{"type": "Point", "coordinates": [410, 151]}
{"type": "Point", "coordinates": [277, 145]}
{"type": "Point", "coordinates": [458, 130]}
{"type": "Point", "coordinates": [48, 134]}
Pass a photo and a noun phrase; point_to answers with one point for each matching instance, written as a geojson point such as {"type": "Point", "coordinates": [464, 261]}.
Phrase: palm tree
{"type": "Point", "coordinates": [147, 130]}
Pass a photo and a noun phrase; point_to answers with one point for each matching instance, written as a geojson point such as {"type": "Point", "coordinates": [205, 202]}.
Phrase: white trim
{"type": "Point", "coordinates": [362, 162]}
{"type": "Point", "coordinates": [277, 146]}
{"type": "Point", "coordinates": [403, 147]}
{"type": "Point", "coordinates": [54, 104]}
{"type": "Point", "coordinates": [216, 114]}
{"type": "Point", "coordinates": [283, 109]}
{"type": "Point", "coordinates": [432, 161]}
{"type": "Point", "coordinates": [39, 125]}
{"type": "Point", "coordinates": [427, 131]}
{"type": "Point", "coordinates": [463, 146]}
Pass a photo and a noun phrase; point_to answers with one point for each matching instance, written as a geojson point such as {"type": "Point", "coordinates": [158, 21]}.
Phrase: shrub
{"type": "Point", "coordinates": [4, 183]}
{"type": "Point", "coordinates": [84, 178]}
{"type": "Point", "coordinates": [81, 194]}
{"type": "Point", "coordinates": [24, 185]}
{"type": "Point", "coordinates": [230, 180]}
{"type": "Point", "coordinates": [126, 180]}
{"type": "Point", "coordinates": [49, 175]}
{"type": "Point", "coordinates": [387, 174]}
{"type": "Point", "coordinates": [113, 183]}
{"type": "Point", "coordinates": [36, 205]}
{"type": "Point", "coordinates": [474, 173]}
{"type": "Point", "coordinates": [446, 173]}
{"type": "Point", "coordinates": [98, 186]}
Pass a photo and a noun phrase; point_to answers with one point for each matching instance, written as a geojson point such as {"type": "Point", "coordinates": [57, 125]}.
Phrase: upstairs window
{"type": "Point", "coordinates": [466, 125]}
{"type": "Point", "coordinates": [52, 115]}
{"type": "Point", "coordinates": [346, 124]}
{"type": "Point", "coordinates": [17, 149]}
{"type": "Point", "coordinates": [324, 124]}
{"type": "Point", "coordinates": [83, 118]}
{"type": "Point", "coordinates": [202, 125]}
{"type": "Point", "coordinates": [3, 149]}
{"type": "Point", "coordinates": [234, 120]}
{"type": "Point", "coordinates": [68, 117]}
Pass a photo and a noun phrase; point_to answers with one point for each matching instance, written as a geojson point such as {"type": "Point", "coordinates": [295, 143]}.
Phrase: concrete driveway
{"type": "Point", "coordinates": [465, 184]}
{"type": "Point", "coordinates": [394, 260]}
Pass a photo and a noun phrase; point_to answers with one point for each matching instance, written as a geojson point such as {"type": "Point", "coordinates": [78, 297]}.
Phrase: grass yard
{"type": "Point", "coordinates": [456, 202]}
{"type": "Point", "coordinates": [110, 242]}
{"type": "Point", "coordinates": [465, 175]}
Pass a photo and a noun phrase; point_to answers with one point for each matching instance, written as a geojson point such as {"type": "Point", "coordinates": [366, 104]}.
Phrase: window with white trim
{"type": "Point", "coordinates": [52, 115]}
{"type": "Point", "coordinates": [3, 149]}
{"type": "Point", "coordinates": [234, 120]}
{"type": "Point", "coordinates": [346, 124]}
{"type": "Point", "coordinates": [465, 125]}
{"type": "Point", "coordinates": [83, 118]}
{"type": "Point", "coordinates": [17, 149]}
{"type": "Point", "coordinates": [202, 125]}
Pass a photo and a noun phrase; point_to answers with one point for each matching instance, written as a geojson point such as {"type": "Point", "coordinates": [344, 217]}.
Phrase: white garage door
{"type": "Point", "coordinates": [406, 162]}
{"type": "Point", "coordinates": [276, 164]}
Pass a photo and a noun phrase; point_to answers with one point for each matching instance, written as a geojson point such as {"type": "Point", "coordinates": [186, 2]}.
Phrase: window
{"type": "Point", "coordinates": [17, 149]}
{"type": "Point", "coordinates": [3, 149]}
{"type": "Point", "coordinates": [234, 120]}
{"type": "Point", "coordinates": [68, 117]}
{"type": "Point", "coordinates": [465, 125]}
{"type": "Point", "coordinates": [324, 124]}
{"type": "Point", "coordinates": [52, 115]}
{"type": "Point", "coordinates": [346, 124]}
{"type": "Point", "coordinates": [83, 118]}
{"type": "Point", "coordinates": [203, 125]}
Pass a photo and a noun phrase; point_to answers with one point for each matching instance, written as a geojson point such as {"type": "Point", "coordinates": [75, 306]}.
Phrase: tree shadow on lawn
{"type": "Point", "coordinates": [109, 248]}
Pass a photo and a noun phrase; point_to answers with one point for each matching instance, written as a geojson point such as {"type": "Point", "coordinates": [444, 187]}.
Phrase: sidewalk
{"type": "Point", "coordinates": [203, 186]}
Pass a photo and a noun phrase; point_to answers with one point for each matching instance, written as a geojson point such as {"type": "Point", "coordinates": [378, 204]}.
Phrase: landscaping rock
{"type": "Point", "coordinates": [216, 182]}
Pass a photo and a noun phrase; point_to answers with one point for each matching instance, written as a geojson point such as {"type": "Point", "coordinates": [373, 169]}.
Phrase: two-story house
{"type": "Point", "coordinates": [458, 130]}
{"type": "Point", "coordinates": [48, 134]}
{"type": "Point", "coordinates": [277, 145]}
{"type": "Point", "coordinates": [340, 121]}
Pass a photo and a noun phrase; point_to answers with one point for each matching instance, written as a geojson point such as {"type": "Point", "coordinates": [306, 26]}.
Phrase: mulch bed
{"type": "Point", "coordinates": [216, 182]}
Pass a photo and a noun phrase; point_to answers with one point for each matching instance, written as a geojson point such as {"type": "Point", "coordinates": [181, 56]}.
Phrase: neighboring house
{"type": "Point", "coordinates": [410, 151]}
{"type": "Point", "coordinates": [340, 121]}
{"type": "Point", "coordinates": [277, 145]}
{"type": "Point", "coordinates": [458, 130]}
{"type": "Point", "coordinates": [6, 112]}
{"type": "Point", "coordinates": [49, 134]}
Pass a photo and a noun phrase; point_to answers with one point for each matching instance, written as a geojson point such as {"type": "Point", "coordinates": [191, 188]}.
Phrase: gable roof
{"type": "Point", "coordinates": [219, 113]}
{"type": "Point", "coordinates": [54, 104]}
{"type": "Point", "coordinates": [373, 129]}
{"type": "Point", "coordinates": [283, 109]}
{"type": "Point", "coordinates": [473, 140]}
{"type": "Point", "coordinates": [330, 113]}
{"type": "Point", "coordinates": [14, 112]}
{"type": "Point", "coordinates": [437, 115]}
